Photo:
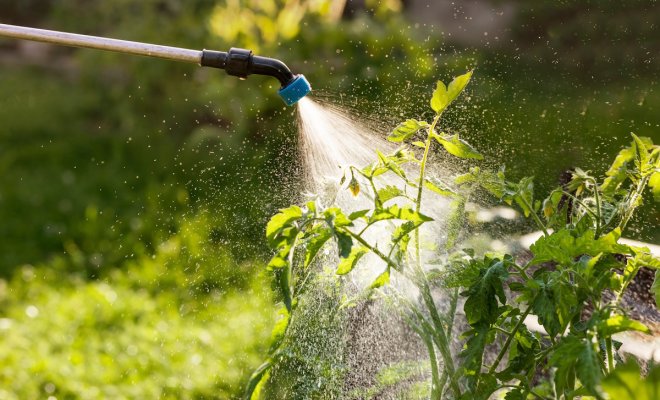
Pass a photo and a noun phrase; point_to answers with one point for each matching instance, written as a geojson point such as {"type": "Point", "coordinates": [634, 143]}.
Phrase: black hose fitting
{"type": "Point", "coordinates": [241, 63]}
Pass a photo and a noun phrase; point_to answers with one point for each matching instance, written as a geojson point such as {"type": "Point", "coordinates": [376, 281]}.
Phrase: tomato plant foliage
{"type": "Point", "coordinates": [572, 283]}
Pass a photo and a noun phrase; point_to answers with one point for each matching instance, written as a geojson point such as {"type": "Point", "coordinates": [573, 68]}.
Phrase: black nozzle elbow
{"type": "Point", "coordinates": [241, 63]}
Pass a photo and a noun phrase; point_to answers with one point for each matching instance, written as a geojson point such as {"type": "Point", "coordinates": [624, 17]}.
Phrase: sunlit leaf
{"type": "Point", "coordinates": [389, 192]}
{"type": "Point", "coordinates": [440, 99]}
{"type": "Point", "coordinates": [628, 383]}
{"type": "Point", "coordinates": [285, 217]}
{"type": "Point", "coordinates": [619, 323]}
{"type": "Point", "coordinates": [437, 186]}
{"type": "Point", "coordinates": [382, 280]}
{"type": "Point", "coordinates": [315, 244]}
{"type": "Point", "coordinates": [457, 146]}
{"type": "Point", "coordinates": [405, 130]}
{"type": "Point", "coordinates": [347, 264]}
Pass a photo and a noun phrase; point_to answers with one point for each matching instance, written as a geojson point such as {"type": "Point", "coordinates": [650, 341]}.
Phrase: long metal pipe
{"type": "Point", "coordinates": [101, 43]}
{"type": "Point", "coordinates": [236, 62]}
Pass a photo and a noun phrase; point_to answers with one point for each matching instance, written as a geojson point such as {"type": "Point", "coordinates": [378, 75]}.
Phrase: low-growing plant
{"type": "Point", "coordinates": [573, 282]}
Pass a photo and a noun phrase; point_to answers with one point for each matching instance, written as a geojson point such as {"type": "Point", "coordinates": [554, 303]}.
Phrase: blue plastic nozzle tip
{"type": "Point", "coordinates": [298, 88]}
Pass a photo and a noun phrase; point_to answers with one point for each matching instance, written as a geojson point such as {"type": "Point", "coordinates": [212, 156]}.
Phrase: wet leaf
{"type": "Point", "coordinates": [347, 264]}
{"type": "Point", "coordinates": [405, 130]}
{"type": "Point", "coordinates": [396, 212]}
{"type": "Point", "coordinates": [315, 244]}
{"type": "Point", "coordinates": [382, 280]}
{"type": "Point", "coordinates": [389, 192]}
{"type": "Point", "coordinates": [483, 294]}
{"type": "Point", "coordinates": [279, 221]}
{"type": "Point", "coordinates": [457, 146]}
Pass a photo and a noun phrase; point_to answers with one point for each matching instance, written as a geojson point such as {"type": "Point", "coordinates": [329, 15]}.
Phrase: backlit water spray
{"type": "Point", "coordinates": [373, 340]}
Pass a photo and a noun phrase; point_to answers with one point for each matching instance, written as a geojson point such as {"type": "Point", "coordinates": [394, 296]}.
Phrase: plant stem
{"type": "Point", "coordinates": [598, 207]}
{"type": "Point", "coordinates": [610, 356]}
{"type": "Point", "coordinates": [534, 216]}
{"type": "Point", "coordinates": [436, 389]}
{"type": "Point", "coordinates": [631, 202]}
{"type": "Point", "coordinates": [510, 339]}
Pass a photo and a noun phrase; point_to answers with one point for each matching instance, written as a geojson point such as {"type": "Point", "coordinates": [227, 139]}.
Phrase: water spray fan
{"type": "Point", "coordinates": [236, 62]}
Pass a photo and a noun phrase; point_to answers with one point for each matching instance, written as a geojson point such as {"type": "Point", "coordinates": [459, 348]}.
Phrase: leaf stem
{"type": "Point", "coordinates": [536, 217]}
{"type": "Point", "coordinates": [510, 339]}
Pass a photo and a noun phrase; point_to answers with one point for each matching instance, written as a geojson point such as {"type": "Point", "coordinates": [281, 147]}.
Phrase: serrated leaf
{"type": "Point", "coordinates": [419, 144]}
{"type": "Point", "coordinates": [405, 130]}
{"type": "Point", "coordinates": [619, 323]}
{"type": "Point", "coordinates": [483, 294]}
{"type": "Point", "coordinates": [382, 280]}
{"type": "Point", "coordinates": [279, 221]}
{"type": "Point", "coordinates": [562, 247]}
{"type": "Point", "coordinates": [389, 192]}
{"type": "Point", "coordinates": [472, 353]}
{"type": "Point", "coordinates": [457, 146]}
{"type": "Point", "coordinates": [347, 264]}
{"type": "Point", "coordinates": [579, 355]}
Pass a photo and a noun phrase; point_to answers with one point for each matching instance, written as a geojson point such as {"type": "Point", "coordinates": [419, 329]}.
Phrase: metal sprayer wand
{"type": "Point", "coordinates": [236, 62]}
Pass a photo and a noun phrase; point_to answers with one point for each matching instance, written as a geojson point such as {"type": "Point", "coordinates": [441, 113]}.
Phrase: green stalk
{"type": "Point", "coordinates": [598, 206]}
{"type": "Point", "coordinates": [631, 202]}
{"type": "Point", "coordinates": [610, 356]}
{"type": "Point", "coordinates": [509, 339]}
{"type": "Point", "coordinates": [436, 389]}
{"type": "Point", "coordinates": [536, 217]}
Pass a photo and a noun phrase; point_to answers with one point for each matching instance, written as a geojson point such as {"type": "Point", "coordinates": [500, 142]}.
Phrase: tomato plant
{"type": "Point", "coordinates": [572, 284]}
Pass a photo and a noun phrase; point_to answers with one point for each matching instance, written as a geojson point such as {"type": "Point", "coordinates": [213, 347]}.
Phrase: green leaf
{"type": "Point", "coordinates": [457, 146]}
{"type": "Point", "coordinates": [457, 85]}
{"type": "Point", "coordinates": [315, 244]}
{"type": "Point", "coordinates": [443, 96]}
{"type": "Point", "coordinates": [579, 355]}
{"type": "Point", "coordinates": [627, 383]}
{"type": "Point", "coordinates": [405, 130]}
{"type": "Point", "coordinates": [280, 220]}
{"type": "Point", "coordinates": [654, 184]}
{"type": "Point", "coordinates": [347, 264]}
{"type": "Point", "coordinates": [553, 299]}
{"type": "Point", "coordinates": [440, 99]}
{"type": "Point", "coordinates": [344, 243]}
{"type": "Point", "coordinates": [358, 214]}
{"type": "Point", "coordinates": [336, 218]}
{"type": "Point", "coordinates": [562, 247]}
{"type": "Point", "coordinates": [482, 295]}
{"type": "Point", "coordinates": [473, 352]}
{"type": "Point", "coordinates": [382, 280]}
{"type": "Point", "coordinates": [395, 212]}
{"type": "Point", "coordinates": [437, 186]}
{"type": "Point", "coordinates": [619, 323]}
{"type": "Point", "coordinates": [389, 192]}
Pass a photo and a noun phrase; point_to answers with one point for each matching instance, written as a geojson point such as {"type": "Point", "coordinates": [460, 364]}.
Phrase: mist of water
{"type": "Point", "coordinates": [330, 141]}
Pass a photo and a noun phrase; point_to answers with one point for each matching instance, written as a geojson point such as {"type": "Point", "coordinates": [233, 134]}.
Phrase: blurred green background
{"type": "Point", "coordinates": [134, 192]}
